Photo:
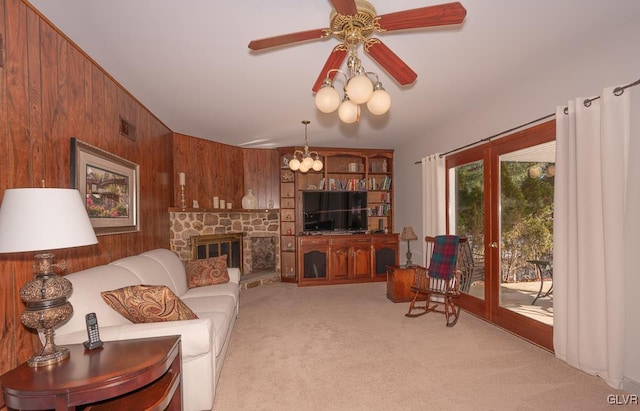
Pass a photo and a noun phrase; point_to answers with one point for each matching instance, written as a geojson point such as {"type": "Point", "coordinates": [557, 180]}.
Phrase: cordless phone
{"type": "Point", "coordinates": [92, 332]}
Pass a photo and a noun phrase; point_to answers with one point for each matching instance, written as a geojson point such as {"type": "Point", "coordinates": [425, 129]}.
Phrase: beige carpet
{"type": "Point", "coordinates": [347, 347]}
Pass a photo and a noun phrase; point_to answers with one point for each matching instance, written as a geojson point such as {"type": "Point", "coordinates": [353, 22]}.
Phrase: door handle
{"type": "Point", "coordinates": [493, 244]}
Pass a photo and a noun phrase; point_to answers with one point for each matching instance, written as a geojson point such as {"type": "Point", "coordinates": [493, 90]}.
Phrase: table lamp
{"type": "Point", "coordinates": [41, 219]}
{"type": "Point", "coordinates": [408, 235]}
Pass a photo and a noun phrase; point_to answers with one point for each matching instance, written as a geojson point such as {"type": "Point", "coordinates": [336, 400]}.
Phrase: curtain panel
{"type": "Point", "coordinates": [433, 199]}
{"type": "Point", "coordinates": [592, 143]}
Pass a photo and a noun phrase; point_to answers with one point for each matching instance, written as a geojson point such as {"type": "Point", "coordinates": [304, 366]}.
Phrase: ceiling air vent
{"type": "Point", "coordinates": [127, 129]}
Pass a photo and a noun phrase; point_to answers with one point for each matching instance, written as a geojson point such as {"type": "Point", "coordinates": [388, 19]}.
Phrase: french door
{"type": "Point", "coordinates": [500, 196]}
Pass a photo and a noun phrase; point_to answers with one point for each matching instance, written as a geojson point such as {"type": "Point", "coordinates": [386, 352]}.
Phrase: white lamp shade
{"type": "Point", "coordinates": [294, 164]}
{"type": "Point", "coordinates": [317, 165]}
{"type": "Point", "coordinates": [40, 219]}
{"type": "Point", "coordinates": [379, 103]}
{"type": "Point", "coordinates": [327, 99]}
{"type": "Point", "coordinates": [359, 88]}
{"type": "Point", "coordinates": [349, 112]}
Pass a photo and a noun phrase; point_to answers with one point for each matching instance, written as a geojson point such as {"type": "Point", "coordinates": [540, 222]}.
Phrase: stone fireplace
{"type": "Point", "coordinates": [259, 232]}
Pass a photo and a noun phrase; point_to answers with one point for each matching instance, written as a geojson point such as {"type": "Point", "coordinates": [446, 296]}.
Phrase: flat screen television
{"type": "Point", "coordinates": [334, 211]}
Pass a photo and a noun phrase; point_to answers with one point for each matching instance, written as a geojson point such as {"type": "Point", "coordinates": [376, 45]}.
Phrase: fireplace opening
{"type": "Point", "coordinates": [263, 254]}
{"type": "Point", "coordinates": [206, 246]}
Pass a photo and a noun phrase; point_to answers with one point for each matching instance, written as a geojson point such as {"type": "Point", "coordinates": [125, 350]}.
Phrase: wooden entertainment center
{"type": "Point", "coordinates": [314, 258]}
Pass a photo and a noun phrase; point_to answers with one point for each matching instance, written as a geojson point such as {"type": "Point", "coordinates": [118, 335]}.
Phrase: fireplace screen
{"type": "Point", "coordinates": [205, 246]}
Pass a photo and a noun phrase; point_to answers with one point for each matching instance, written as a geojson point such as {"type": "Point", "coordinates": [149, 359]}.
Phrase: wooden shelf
{"type": "Point", "coordinates": [221, 210]}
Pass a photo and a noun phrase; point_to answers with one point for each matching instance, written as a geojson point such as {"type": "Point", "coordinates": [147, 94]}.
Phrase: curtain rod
{"type": "Point", "coordinates": [616, 91]}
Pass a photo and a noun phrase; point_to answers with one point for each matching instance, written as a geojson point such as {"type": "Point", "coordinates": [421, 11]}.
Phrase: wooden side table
{"type": "Point", "coordinates": [108, 378]}
{"type": "Point", "coordinates": [399, 282]}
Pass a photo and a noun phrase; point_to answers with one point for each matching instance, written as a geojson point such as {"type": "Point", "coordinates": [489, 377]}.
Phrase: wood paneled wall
{"type": "Point", "coordinates": [49, 92]}
{"type": "Point", "coordinates": [214, 169]}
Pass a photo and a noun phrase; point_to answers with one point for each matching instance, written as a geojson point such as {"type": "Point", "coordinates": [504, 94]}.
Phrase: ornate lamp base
{"type": "Point", "coordinates": [409, 262]}
{"type": "Point", "coordinates": [48, 358]}
{"type": "Point", "coordinates": [47, 306]}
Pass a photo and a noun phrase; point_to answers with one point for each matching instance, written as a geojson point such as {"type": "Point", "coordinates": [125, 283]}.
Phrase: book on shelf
{"type": "Point", "coordinates": [356, 184]}
{"type": "Point", "coordinates": [379, 211]}
{"type": "Point", "coordinates": [379, 184]}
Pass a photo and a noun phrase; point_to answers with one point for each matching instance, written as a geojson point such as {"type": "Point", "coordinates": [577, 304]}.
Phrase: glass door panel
{"type": "Point", "coordinates": [500, 196]}
{"type": "Point", "coordinates": [526, 231]}
{"type": "Point", "coordinates": [466, 218]}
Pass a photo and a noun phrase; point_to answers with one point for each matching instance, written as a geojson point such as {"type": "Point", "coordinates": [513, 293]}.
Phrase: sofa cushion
{"type": "Point", "coordinates": [148, 270]}
{"type": "Point", "coordinates": [229, 289]}
{"type": "Point", "coordinates": [221, 310]}
{"type": "Point", "coordinates": [148, 303]}
{"type": "Point", "coordinates": [172, 265]}
{"type": "Point", "coordinates": [208, 271]}
{"type": "Point", "coordinates": [85, 298]}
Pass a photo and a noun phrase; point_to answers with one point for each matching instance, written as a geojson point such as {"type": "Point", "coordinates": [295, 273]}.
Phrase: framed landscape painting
{"type": "Point", "coordinates": [109, 186]}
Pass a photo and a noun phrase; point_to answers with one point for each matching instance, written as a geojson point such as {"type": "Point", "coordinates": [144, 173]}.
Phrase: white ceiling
{"type": "Point", "coordinates": [187, 61]}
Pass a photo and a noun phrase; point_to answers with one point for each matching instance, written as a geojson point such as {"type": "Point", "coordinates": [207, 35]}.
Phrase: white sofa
{"type": "Point", "coordinates": [204, 340]}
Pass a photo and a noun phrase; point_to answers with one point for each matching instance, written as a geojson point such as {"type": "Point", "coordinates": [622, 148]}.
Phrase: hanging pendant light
{"type": "Point", "coordinates": [305, 160]}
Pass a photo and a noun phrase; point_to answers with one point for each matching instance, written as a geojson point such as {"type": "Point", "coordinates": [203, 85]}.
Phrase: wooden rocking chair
{"type": "Point", "coordinates": [440, 283]}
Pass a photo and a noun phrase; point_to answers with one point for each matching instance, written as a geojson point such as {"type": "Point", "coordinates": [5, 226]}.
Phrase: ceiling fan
{"type": "Point", "coordinates": [353, 22]}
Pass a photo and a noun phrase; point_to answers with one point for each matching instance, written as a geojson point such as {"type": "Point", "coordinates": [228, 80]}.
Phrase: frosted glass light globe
{"type": "Point", "coordinates": [294, 164]}
{"type": "Point", "coordinates": [535, 171]}
{"type": "Point", "coordinates": [317, 165]}
{"type": "Point", "coordinates": [307, 163]}
{"type": "Point", "coordinates": [551, 170]}
{"type": "Point", "coordinates": [327, 99]}
{"type": "Point", "coordinates": [379, 103]}
{"type": "Point", "coordinates": [349, 112]}
{"type": "Point", "coordinates": [359, 88]}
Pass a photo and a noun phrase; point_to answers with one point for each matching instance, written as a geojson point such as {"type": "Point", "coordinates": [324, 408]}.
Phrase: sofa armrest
{"type": "Point", "coordinates": [196, 335]}
{"type": "Point", "coordinates": [234, 274]}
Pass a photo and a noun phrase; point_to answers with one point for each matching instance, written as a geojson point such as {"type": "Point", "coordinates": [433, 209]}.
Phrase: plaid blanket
{"type": "Point", "coordinates": [444, 256]}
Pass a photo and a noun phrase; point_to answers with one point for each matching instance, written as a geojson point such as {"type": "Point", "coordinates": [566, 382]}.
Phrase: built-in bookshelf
{"type": "Point", "coordinates": [366, 170]}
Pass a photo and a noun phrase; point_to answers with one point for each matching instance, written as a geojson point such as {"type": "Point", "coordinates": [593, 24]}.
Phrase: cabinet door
{"type": "Point", "coordinates": [360, 261]}
{"type": "Point", "coordinates": [314, 264]}
{"type": "Point", "coordinates": [385, 253]}
{"type": "Point", "coordinates": [312, 259]}
{"type": "Point", "coordinates": [339, 262]}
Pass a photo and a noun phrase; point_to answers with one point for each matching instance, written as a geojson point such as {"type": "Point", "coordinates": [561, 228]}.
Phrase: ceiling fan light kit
{"type": "Point", "coordinates": [358, 89]}
{"type": "Point", "coordinates": [353, 22]}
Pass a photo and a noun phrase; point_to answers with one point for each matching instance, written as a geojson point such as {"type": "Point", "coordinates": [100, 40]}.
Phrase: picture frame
{"type": "Point", "coordinates": [109, 186]}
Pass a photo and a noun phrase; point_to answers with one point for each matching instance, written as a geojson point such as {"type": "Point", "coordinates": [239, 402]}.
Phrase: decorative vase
{"type": "Point", "coordinates": [249, 201]}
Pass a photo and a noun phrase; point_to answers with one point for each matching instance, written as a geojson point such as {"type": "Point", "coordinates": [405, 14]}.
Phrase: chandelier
{"type": "Point", "coordinates": [358, 89]}
{"type": "Point", "coordinates": [305, 160]}
{"type": "Point", "coordinates": [542, 171]}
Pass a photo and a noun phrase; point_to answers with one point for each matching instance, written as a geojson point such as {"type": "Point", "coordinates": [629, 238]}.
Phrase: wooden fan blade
{"type": "Point", "coordinates": [335, 60]}
{"type": "Point", "coordinates": [288, 39]}
{"type": "Point", "coordinates": [345, 7]}
{"type": "Point", "coordinates": [387, 59]}
{"type": "Point", "coordinates": [441, 15]}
